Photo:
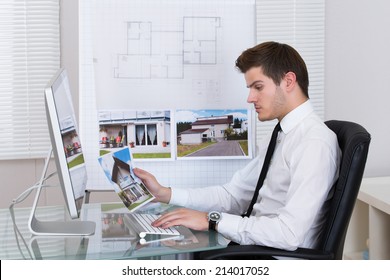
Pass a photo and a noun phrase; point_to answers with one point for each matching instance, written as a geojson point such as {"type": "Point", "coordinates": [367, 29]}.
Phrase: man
{"type": "Point", "coordinates": [289, 210]}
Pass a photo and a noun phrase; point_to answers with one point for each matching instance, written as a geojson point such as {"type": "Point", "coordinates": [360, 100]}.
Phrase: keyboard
{"type": "Point", "coordinates": [142, 223]}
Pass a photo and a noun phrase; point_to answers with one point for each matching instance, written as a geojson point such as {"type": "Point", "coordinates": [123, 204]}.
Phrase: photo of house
{"type": "Point", "coordinates": [119, 171]}
{"type": "Point", "coordinates": [212, 133]}
{"type": "Point", "coordinates": [131, 191]}
{"type": "Point", "coordinates": [206, 128]}
{"type": "Point", "coordinates": [147, 133]}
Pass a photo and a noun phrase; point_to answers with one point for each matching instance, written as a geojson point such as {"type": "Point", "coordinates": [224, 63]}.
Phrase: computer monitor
{"type": "Point", "coordinates": [68, 155]}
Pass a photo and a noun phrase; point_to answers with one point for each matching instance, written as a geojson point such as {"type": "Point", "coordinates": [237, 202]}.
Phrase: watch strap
{"type": "Point", "coordinates": [212, 225]}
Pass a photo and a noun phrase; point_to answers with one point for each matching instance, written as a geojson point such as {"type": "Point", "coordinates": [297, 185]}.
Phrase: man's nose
{"type": "Point", "coordinates": [251, 97]}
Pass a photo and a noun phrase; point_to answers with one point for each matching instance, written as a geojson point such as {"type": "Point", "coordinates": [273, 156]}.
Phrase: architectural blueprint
{"type": "Point", "coordinates": [170, 54]}
{"type": "Point", "coordinates": [195, 43]}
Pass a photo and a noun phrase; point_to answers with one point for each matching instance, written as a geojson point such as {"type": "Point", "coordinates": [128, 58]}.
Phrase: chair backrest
{"type": "Point", "coordinates": [354, 142]}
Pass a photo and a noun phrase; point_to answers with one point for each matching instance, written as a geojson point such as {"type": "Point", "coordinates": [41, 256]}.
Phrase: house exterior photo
{"type": "Point", "coordinates": [131, 191]}
{"type": "Point", "coordinates": [134, 128]}
{"type": "Point", "coordinates": [206, 129]}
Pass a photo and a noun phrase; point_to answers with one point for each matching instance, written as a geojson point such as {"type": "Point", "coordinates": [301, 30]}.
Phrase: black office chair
{"type": "Point", "coordinates": [354, 142]}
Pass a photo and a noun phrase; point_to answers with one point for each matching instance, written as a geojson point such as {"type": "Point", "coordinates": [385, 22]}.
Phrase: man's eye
{"type": "Point", "coordinates": [259, 88]}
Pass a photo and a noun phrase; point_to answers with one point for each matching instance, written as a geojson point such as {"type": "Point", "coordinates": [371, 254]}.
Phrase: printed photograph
{"type": "Point", "coordinates": [213, 133]}
{"type": "Point", "coordinates": [146, 133]}
{"type": "Point", "coordinates": [118, 169]}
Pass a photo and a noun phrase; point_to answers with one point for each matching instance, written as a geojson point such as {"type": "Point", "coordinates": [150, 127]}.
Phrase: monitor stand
{"type": "Point", "coordinates": [39, 251]}
{"type": "Point", "coordinates": [38, 227]}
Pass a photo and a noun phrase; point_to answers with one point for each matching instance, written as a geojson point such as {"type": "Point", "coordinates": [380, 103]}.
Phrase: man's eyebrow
{"type": "Point", "coordinates": [252, 84]}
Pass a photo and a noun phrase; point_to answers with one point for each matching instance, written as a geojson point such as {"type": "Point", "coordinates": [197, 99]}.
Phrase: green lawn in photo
{"type": "Point", "coordinates": [142, 155]}
{"type": "Point", "coordinates": [151, 155]}
{"type": "Point", "coordinates": [244, 146]}
{"type": "Point", "coordinates": [183, 150]}
{"type": "Point", "coordinates": [76, 161]}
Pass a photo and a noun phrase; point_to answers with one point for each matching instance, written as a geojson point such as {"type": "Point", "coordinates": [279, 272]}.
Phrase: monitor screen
{"type": "Point", "coordinates": [65, 142]}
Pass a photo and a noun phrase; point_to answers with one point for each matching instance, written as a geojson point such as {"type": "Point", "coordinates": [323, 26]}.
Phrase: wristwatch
{"type": "Point", "coordinates": [214, 217]}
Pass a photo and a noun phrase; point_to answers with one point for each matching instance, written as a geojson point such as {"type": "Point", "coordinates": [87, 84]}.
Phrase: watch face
{"type": "Point", "coordinates": [214, 216]}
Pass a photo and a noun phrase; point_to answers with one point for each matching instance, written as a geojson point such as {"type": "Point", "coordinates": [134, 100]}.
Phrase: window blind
{"type": "Point", "coordinates": [29, 56]}
{"type": "Point", "coordinates": [301, 24]}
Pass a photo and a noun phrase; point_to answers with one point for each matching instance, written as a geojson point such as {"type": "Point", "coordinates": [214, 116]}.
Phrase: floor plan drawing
{"type": "Point", "coordinates": [163, 54]}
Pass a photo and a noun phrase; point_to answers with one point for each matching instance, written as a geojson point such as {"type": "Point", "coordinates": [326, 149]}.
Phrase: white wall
{"type": "Point", "coordinates": [357, 69]}
{"type": "Point", "coordinates": [69, 45]}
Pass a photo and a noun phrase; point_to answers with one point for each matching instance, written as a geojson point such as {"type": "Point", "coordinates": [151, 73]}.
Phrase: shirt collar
{"type": "Point", "coordinates": [294, 117]}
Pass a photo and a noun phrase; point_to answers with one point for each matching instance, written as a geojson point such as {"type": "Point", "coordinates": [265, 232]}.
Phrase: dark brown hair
{"type": "Point", "coordinates": [275, 59]}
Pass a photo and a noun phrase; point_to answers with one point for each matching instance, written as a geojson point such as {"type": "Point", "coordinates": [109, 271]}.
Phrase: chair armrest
{"type": "Point", "coordinates": [238, 251]}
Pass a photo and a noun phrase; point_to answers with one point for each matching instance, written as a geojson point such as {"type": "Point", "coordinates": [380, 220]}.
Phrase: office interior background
{"type": "Point", "coordinates": [356, 71]}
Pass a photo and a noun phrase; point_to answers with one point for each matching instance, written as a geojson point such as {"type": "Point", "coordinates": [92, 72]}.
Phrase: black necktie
{"type": "Point", "coordinates": [264, 169]}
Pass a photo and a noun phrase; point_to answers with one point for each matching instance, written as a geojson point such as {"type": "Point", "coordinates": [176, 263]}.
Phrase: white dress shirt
{"type": "Point", "coordinates": [290, 208]}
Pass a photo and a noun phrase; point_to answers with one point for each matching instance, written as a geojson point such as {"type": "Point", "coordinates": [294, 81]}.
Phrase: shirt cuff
{"type": "Point", "coordinates": [179, 196]}
{"type": "Point", "coordinates": [229, 225]}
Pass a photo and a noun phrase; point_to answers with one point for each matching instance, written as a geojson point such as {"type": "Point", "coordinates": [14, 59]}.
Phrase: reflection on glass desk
{"type": "Point", "coordinates": [111, 239]}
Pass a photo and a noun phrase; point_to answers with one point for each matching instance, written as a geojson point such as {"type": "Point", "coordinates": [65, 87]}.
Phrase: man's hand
{"type": "Point", "coordinates": [183, 217]}
{"type": "Point", "coordinates": [162, 194]}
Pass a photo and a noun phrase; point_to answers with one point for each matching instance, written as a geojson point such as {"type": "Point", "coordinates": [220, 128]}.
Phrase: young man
{"type": "Point", "coordinates": [290, 208]}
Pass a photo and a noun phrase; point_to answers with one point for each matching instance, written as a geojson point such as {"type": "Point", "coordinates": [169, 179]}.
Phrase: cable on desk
{"type": "Point", "coordinates": [20, 199]}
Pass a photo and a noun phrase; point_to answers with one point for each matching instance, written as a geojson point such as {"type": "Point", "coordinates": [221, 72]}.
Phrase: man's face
{"type": "Point", "coordinates": [267, 97]}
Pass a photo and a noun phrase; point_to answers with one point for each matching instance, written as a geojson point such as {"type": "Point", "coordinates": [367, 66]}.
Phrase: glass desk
{"type": "Point", "coordinates": [16, 241]}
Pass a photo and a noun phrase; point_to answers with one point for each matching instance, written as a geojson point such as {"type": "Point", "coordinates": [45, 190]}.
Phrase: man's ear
{"type": "Point", "coordinates": [290, 80]}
